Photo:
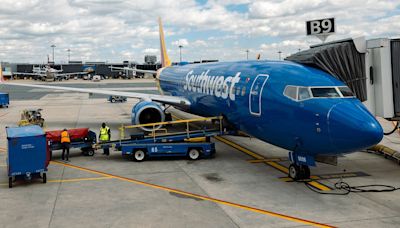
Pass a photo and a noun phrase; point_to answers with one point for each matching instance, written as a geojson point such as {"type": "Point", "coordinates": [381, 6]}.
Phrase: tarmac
{"type": "Point", "coordinates": [245, 185]}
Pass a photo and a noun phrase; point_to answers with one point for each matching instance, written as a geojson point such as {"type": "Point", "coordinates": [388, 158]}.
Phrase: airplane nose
{"type": "Point", "coordinates": [352, 127]}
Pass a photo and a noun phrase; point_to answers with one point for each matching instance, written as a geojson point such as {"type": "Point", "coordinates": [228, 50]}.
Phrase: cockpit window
{"type": "Point", "coordinates": [291, 92]}
{"type": "Point", "coordinates": [304, 93]}
{"type": "Point", "coordinates": [346, 91]}
{"type": "Point", "coordinates": [325, 92]}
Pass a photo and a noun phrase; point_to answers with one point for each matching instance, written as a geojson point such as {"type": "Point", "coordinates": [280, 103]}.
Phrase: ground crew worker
{"type": "Point", "coordinates": [104, 136]}
{"type": "Point", "coordinates": [65, 142]}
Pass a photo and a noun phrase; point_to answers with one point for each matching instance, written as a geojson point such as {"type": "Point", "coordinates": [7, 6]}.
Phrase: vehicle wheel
{"type": "Point", "coordinates": [44, 177]}
{"type": "Point", "coordinates": [139, 155]}
{"type": "Point", "coordinates": [10, 182]}
{"type": "Point", "coordinates": [305, 172]}
{"type": "Point", "coordinates": [294, 172]}
{"type": "Point", "coordinates": [112, 100]}
{"type": "Point", "coordinates": [194, 154]}
{"type": "Point", "coordinates": [90, 152]}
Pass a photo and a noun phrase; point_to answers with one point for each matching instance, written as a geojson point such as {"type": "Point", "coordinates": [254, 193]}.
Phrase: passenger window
{"type": "Point", "coordinates": [291, 92]}
{"type": "Point", "coordinates": [346, 92]}
{"type": "Point", "coordinates": [304, 93]}
{"type": "Point", "coordinates": [324, 92]}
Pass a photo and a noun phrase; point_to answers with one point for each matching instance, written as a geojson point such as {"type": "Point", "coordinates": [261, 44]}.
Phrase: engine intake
{"type": "Point", "coordinates": [147, 112]}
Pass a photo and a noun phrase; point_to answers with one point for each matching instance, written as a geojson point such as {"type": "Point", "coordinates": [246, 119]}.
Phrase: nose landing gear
{"type": "Point", "coordinates": [299, 172]}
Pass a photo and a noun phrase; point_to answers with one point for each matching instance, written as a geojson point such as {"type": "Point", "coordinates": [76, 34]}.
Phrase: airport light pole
{"type": "Point", "coordinates": [53, 46]}
{"type": "Point", "coordinates": [69, 51]}
{"type": "Point", "coordinates": [279, 52]}
{"type": "Point", "coordinates": [247, 54]}
{"type": "Point", "coordinates": [180, 53]}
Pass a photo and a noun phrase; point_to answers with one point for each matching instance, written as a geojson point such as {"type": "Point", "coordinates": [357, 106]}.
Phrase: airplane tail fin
{"type": "Point", "coordinates": [1, 74]}
{"type": "Point", "coordinates": [165, 61]}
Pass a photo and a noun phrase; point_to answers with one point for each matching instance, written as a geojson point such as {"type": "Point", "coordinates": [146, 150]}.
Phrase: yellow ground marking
{"type": "Point", "coordinates": [267, 160]}
{"type": "Point", "coordinates": [73, 180]}
{"type": "Point", "coordinates": [273, 164]}
{"type": "Point", "coordinates": [206, 198]}
{"type": "Point", "coordinates": [236, 146]}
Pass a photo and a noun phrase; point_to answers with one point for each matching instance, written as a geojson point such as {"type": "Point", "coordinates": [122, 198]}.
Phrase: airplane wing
{"type": "Point", "coordinates": [23, 73]}
{"type": "Point", "coordinates": [171, 100]}
{"type": "Point", "coordinates": [68, 74]}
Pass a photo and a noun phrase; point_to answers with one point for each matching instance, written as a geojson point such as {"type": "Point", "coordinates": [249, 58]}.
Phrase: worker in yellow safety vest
{"type": "Point", "coordinates": [65, 142]}
{"type": "Point", "coordinates": [104, 136]}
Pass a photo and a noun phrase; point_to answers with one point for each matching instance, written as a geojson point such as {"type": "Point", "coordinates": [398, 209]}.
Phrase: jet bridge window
{"type": "Point", "coordinates": [346, 92]}
{"type": "Point", "coordinates": [325, 92]}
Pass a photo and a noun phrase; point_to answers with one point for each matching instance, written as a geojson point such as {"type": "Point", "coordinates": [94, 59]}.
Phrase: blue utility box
{"type": "Point", "coordinates": [4, 100]}
{"type": "Point", "coordinates": [27, 152]}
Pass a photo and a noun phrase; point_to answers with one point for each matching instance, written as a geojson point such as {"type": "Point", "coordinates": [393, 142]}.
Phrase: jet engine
{"type": "Point", "coordinates": [147, 112]}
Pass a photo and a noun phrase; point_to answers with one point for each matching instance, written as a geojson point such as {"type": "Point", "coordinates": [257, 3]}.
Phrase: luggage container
{"type": "Point", "coordinates": [27, 155]}
{"type": "Point", "coordinates": [4, 100]}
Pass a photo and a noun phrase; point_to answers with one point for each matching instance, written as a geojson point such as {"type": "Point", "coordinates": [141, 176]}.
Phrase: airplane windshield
{"type": "Point", "coordinates": [346, 92]}
{"type": "Point", "coordinates": [325, 92]}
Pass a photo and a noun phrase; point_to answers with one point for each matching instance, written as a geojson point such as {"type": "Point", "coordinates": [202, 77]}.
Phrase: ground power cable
{"type": "Point", "coordinates": [394, 129]}
{"type": "Point", "coordinates": [343, 188]}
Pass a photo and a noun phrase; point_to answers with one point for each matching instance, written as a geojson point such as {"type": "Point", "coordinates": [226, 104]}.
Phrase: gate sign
{"type": "Point", "coordinates": [321, 27]}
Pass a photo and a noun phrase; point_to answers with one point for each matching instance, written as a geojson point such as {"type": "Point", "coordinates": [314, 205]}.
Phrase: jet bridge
{"type": "Point", "coordinates": [371, 68]}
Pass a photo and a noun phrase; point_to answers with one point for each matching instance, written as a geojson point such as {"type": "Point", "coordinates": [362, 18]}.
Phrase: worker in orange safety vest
{"type": "Point", "coordinates": [65, 142]}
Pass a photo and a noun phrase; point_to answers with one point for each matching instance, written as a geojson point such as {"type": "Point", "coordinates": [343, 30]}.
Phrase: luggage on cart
{"type": "Point", "coordinates": [27, 154]}
{"type": "Point", "coordinates": [81, 138]}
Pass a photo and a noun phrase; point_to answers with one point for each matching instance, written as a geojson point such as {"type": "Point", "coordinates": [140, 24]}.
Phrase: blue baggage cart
{"type": "Point", "coordinates": [27, 154]}
{"type": "Point", "coordinates": [4, 100]}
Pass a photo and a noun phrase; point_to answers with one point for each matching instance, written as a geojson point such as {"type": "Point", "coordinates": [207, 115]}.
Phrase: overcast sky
{"type": "Point", "coordinates": [117, 30]}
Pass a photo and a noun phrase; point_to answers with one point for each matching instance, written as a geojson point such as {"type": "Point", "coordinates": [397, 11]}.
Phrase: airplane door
{"type": "Point", "coordinates": [255, 95]}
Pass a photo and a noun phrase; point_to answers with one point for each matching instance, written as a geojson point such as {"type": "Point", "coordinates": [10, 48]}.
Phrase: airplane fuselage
{"type": "Point", "coordinates": [254, 97]}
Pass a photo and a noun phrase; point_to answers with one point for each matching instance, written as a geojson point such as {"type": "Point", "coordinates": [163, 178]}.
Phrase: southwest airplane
{"type": "Point", "coordinates": [299, 108]}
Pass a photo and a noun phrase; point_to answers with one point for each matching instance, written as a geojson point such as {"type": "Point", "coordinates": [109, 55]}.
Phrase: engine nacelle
{"type": "Point", "coordinates": [147, 112]}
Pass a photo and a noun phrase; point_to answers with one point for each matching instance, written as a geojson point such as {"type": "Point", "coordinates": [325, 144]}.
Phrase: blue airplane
{"type": "Point", "coordinates": [293, 106]}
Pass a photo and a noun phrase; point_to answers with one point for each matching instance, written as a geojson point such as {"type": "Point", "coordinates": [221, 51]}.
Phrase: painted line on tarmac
{"type": "Point", "coordinates": [257, 156]}
{"type": "Point", "coordinates": [193, 195]}
{"type": "Point", "coordinates": [267, 160]}
{"type": "Point", "coordinates": [79, 179]}
{"type": "Point", "coordinates": [72, 180]}
{"type": "Point", "coordinates": [273, 164]}
{"type": "Point", "coordinates": [4, 114]}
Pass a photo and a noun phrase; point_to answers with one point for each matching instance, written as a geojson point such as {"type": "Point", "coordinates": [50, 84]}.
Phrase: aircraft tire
{"type": "Point", "coordinates": [305, 172]}
{"type": "Point", "coordinates": [294, 172]}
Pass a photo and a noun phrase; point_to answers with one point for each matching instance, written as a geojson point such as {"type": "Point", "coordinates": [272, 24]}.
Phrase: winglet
{"type": "Point", "coordinates": [1, 74]}
{"type": "Point", "coordinates": [165, 62]}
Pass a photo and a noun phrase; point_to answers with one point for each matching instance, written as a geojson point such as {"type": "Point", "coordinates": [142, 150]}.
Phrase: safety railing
{"type": "Point", "coordinates": [155, 126]}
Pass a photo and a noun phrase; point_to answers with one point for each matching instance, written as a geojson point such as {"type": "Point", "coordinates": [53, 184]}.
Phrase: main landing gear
{"type": "Point", "coordinates": [299, 172]}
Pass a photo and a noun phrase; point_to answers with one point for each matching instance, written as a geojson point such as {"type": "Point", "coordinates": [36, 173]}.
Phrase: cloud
{"type": "Point", "coordinates": [117, 30]}
{"type": "Point", "coordinates": [183, 42]}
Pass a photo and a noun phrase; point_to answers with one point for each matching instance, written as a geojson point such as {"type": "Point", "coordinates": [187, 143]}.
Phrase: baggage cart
{"type": "Point", "coordinates": [27, 154]}
{"type": "Point", "coordinates": [4, 100]}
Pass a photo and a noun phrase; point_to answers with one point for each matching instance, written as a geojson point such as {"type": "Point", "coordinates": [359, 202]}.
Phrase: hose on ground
{"type": "Point", "coordinates": [394, 129]}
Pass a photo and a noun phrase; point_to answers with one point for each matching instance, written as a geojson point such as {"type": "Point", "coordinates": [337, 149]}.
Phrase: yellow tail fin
{"type": "Point", "coordinates": [165, 62]}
